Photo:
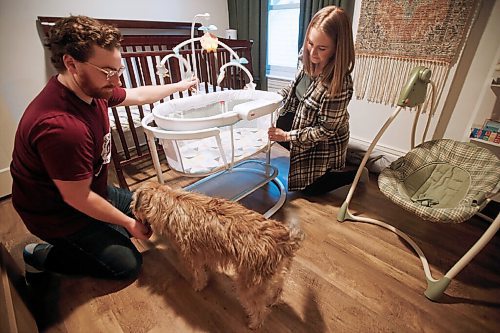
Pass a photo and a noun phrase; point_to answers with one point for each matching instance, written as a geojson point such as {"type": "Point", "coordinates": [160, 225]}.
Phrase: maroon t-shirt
{"type": "Point", "coordinates": [59, 137]}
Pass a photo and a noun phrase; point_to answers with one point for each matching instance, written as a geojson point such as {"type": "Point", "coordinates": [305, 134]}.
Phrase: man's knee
{"type": "Point", "coordinates": [127, 264]}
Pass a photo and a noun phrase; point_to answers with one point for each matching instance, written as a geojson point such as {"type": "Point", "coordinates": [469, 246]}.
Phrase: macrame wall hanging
{"type": "Point", "coordinates": [395, 36]}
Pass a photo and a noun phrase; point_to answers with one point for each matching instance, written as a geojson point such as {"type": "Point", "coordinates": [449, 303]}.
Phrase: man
{"type": "Point", "coordinates": [61, 156]}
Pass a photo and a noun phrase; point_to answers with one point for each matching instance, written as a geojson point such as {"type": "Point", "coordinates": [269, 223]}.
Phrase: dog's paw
{"type": "Point", "coordinates": [200, 280]}
{"type": "Point", "coordinates": [275, 303]}
{"type": "Point", "coordinates": [200, 285]}
{"type": "Point", "coordinates": [198, 288]}
{"type": "Point", "coordinates": [254, 324]}
{"type": "Point", "coordinates": [255, 321]}
{"type": "Point", "coordinates": [276, 299]}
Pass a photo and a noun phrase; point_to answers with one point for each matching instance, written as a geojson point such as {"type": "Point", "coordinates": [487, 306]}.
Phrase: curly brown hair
{"type": "Point", "coordinates": [75, 36]}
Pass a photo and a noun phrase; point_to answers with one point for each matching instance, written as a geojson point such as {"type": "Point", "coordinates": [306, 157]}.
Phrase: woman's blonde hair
{"type": "Point", "coordinates": [335, 23]}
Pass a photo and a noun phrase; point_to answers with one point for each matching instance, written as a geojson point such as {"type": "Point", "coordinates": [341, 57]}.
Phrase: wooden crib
{"type": "Point", "coordinates": [141, 53]}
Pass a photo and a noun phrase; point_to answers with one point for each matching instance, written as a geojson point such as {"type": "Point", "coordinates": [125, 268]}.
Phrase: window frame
{"type": "Point", "coordinates": [274, 71]}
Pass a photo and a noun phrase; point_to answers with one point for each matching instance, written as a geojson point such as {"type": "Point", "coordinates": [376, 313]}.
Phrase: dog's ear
{"type": "Point", "coordinates": [152, 185]}
{"type": "Point", "coordinates": [143, 194]}
{"type": "Point", "coordinates": [137, 199]}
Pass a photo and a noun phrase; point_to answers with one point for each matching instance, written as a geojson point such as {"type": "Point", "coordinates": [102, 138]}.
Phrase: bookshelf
{"type": "Point", "coordinates": [488, 143]}
{"type": "Point", "coordinates": [487, 136]}
{"type": "Point", "coordinates": [487, 111]}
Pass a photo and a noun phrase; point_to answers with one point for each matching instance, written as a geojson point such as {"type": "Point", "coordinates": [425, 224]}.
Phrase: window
{"type": "Point", "coordinates": [282, 38]}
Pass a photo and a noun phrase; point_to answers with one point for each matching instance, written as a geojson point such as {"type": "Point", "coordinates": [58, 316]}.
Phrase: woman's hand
{"type": "Point", "coordinates": [140, 230]}
{"type": "Point", "coordinates": [277, 134]}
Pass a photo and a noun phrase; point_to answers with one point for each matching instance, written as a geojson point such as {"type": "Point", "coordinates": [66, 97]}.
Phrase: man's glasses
{"type": "Point", "coordinates": [109, 73]}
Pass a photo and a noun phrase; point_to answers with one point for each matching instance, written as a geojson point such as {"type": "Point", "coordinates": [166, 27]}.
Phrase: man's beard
{"type": "Point", "coordinates": [91, 90]}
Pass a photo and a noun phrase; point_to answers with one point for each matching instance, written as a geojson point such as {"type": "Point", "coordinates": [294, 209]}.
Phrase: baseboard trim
{"type": "Point", "coordinates": [393, 152]}
{"type": "Point", "coordinates": [5, 182]}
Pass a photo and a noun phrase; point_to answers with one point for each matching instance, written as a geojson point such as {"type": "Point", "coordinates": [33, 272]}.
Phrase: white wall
{"type": "Point", "coordinates": [22, 63]}
{"type": "Point", "coordinates": [462, 93]}
{"type": "Point", "coordinates": [476, 99]}
{"type": "Point", "coordinates": [23, 68]}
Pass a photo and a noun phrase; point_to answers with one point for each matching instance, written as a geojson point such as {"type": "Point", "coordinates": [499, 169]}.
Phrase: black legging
{"type": "Point", "coordinates": [330, 181]}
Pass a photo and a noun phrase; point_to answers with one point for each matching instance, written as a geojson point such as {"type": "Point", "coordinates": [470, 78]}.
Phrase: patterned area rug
{"type": "Point", "coordinates": [395, 36]}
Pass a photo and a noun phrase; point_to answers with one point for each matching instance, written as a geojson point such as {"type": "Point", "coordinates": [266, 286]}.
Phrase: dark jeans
{"type": "Point", "coordinates": [100, 250]}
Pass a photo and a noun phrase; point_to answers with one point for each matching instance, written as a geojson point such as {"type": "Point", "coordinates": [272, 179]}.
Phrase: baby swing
{"type": "Point", "coordinates": [440, 180]}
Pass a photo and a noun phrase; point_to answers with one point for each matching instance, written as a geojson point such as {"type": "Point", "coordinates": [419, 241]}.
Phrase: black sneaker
{"type": "Point", "coordinates": [365, 176]}
{"type": "Point", "coordinates": [34, 255]}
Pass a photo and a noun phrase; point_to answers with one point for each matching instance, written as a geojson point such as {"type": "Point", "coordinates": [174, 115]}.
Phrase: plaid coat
{"type": "Point", "coordinates": [320, 130]}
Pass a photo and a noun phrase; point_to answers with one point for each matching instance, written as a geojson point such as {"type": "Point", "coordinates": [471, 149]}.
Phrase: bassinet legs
{"type": "Point", "coordinates": [241, 180]}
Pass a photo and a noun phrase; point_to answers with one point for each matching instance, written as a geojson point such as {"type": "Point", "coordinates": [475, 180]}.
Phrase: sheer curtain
{"type": "Point", "coordinates": [249, 17]}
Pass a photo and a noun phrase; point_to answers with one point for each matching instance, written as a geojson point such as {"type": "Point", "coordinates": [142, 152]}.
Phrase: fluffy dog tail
{"type": "Point", "coordinates": [279, 242]}
{"type": "Point", "coordinates": [296, 237]}
{"type": "Point", "coordinates": [289, 239]}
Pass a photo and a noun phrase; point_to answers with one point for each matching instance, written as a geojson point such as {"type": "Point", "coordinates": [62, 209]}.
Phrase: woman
{"type": "Point", "coordinates": [318, 97]}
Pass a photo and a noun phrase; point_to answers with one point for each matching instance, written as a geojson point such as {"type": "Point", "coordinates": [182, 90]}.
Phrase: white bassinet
{"type": "Point", "coordinates": [204, 134]}
{"type": "Point", "coordinates": [214, 134]}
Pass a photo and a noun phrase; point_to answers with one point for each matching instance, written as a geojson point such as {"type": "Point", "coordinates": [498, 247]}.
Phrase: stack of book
{"type": "Point", "coordinates": [489, 132]}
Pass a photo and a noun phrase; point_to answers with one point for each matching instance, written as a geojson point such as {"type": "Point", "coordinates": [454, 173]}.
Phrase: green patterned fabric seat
{"type": "Point", "coordinates": [442, 180]}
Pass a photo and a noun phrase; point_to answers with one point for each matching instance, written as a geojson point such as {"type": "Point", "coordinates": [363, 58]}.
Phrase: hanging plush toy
{"type": "Point", "coordinates": [209, 42]}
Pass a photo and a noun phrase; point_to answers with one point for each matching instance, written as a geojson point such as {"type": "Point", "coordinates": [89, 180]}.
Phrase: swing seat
{"type": "Point", "coordinates": [442, 180]}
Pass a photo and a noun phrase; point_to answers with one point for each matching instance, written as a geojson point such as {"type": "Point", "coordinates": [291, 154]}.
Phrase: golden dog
{"type": "Point", "coordinates": [212, 234]}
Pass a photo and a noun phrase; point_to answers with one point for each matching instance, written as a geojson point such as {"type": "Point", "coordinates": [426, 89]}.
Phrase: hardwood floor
{"type": "Point", "coordinates": [347, 277]}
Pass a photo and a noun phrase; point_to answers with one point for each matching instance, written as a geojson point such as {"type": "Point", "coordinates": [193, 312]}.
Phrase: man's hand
{"type": "Point", "coordinates": [78, 195]}
{"type": "Point", "coordinates": [151, 93]}
{"type": "Point", "coordinates": [191, 84]}
{"type": "Point", "coordinates": [139, 230]}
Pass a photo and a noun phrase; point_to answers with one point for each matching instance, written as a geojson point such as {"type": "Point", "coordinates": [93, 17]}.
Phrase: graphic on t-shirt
{"type": "Point", "coordinates": [106, 149]}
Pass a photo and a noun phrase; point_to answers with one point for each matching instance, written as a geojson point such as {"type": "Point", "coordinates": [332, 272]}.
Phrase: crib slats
{"type": "Point", "coordinates": [140, 57]}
